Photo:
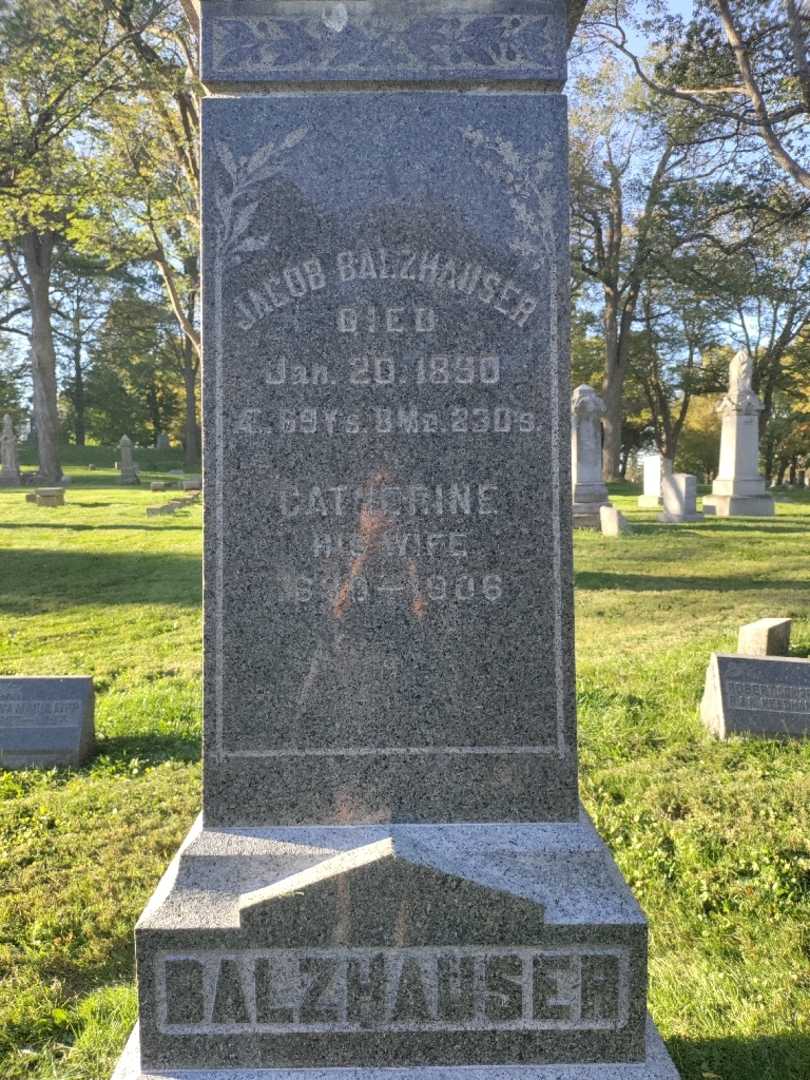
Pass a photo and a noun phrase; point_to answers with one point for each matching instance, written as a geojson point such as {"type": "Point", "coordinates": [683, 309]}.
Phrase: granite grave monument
{"type": "Point", "coordinates": [392, 868]}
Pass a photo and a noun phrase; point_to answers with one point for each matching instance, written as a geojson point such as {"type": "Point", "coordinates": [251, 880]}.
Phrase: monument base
{"type": "Point", "coordinates": [10, 480]}
{"type": "Point", "coordinates": [416, 948]}
{"type": "Point", "coordinates": [649, 502]}
{"type": "Point", "coordinates": [739, 505]}
{"type": "Point", "coordinates": [586, 514]}
{"type": "Point", "coordinates": [656, 1066]}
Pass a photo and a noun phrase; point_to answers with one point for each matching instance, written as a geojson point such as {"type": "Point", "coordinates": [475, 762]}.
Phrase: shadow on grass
{"type": "Point", "coordinates": [799, 525]}
{"type": "Point", "coordinates": [36, 580]}
{"type": "Point", "coordinates": [148, 748]}
{"type": "Point", "coordinates": [99, 528]}
{"type": "Point", "coordinates": [771, 1057]}
{"type": "Point", "coordinates": [591, 579]}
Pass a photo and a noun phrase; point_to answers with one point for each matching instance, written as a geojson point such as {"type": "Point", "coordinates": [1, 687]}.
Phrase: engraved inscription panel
{"type": "Point", "coordinates": [22, 713]}
{"type": "Point", "coordinates": [396, 990]}
{"type": "Point", "coordinates": [768, 697]}
{"type": "Point", "coordinates": [383, 404]}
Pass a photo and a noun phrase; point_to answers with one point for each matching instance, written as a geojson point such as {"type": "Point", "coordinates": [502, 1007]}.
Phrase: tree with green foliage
{"type": "Point", "coordinates": [145, 205]}
{"type": "Point", "coordinates": [676, 358]}
{"type": "Point", "coordinates": [743, 68]}
{"type": "Point", "coordinates": [12, 384]}
{"type": "Point", "coordinates": [134, 383]}
{"type": "Point", "coordinates": [57, 64]}
{"type": "Point", "coordinates": [82, 290]}
{"type": "Point", "coordinates": [621, 163]}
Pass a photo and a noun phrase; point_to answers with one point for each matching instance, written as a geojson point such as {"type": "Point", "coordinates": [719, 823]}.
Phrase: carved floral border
{"type": "Point", "coordinates": [336, 41]}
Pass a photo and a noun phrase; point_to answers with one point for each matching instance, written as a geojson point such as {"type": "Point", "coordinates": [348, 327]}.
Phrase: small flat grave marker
{"type": "Point", "coordinates": [50, 496]}
{"type": "Point", "coordinates": [45, 722]}
{"type": "Point", "coordinates": [767, 696]}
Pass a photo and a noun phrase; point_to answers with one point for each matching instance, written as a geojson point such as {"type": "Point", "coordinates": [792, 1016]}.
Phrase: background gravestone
{"type": "Point", "coordinates": [392, 868]}
{"type": "Point", "coordinates": [739, 489]}
{"type": "Point", "coordinates": [589, 492]}
{"type": "Point", "coordinates": [9, 459]}
{"type": "Point", "coordinates": [760, 695]}
{"type": "Point", "coordinates": [129, 473]}
{"type": "Point", "coordinates": [655, 468]}
{"type": "Point", "coordinates": [679, 494]}
{"type": "Point", "coordinates": [46, 723]}
{"type": "Point", "coordinates": [765, 637]}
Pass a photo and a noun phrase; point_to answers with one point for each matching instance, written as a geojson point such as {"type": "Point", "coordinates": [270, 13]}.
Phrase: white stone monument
{"type": "Point", "coordinates": [589, 490]}
{"type": "Point", "coordinates": [613, 521]}
{"type": "Point", "coordinates": [680, 498]}
{"type": "Point", "coordinates": [9, 462]}
{"type": "Point", "coordinates": [739, 490]}
{"type": "Point", "coordinates": [655, 466]}
{"type": "Point", "coordinates": [129, 474]}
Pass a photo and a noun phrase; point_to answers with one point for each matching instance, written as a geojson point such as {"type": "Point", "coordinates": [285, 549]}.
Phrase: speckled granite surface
{"type": "Point", "coordinates": [388, 586]}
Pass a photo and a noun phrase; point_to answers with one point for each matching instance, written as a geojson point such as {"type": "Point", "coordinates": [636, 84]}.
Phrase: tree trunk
{"type": "Point", "coordinates": [80, 427]}
{"type": "Point", "coordinates": [612, 427]}
{"type": "Point", "coordinates": [37, 250]}
{"type": "Point", "coordinates": [612, 393]}
{"type": "Point", "coordinates": [768, 460]}
{"type": "Point", "coordinates": [191, 365]}
{"type": "Point", "coordinates": [192, 432]}
{"type": "Point", "coordinates": [153, 408]}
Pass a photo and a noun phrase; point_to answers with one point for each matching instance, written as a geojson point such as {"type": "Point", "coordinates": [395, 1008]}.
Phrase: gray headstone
{"type": "Point", "coordinates": [679, 491]}
{"type": "Point", "coordinates": [162, 441]}
{"type": "Point", "coordinates": [9, 460]}
{"type": "Point", "coordinates": [757, 695]}
{"type": "Point", "coordinates": [765, 637]}
{"type": "Point", "coordinates": [45, 722]}
{"type": "Point", "coordinates": [50, 496]}
{"type": "Point", "coordinates": [392, 869]}
{"type": "Point", "coordinates": [129, 473]}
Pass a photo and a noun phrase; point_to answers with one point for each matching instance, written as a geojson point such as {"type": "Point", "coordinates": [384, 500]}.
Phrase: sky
{"type": "Point", "coordinates": [676, 7]}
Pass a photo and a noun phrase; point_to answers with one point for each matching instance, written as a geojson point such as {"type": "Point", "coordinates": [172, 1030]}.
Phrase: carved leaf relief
{"type": "Point", "coordinates": [235, 207]}
{"type": "Point", "coordinates": [435, 42]}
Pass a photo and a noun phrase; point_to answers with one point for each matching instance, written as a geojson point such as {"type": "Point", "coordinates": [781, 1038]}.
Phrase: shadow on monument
{"type": "Point", "coordinates": [770, 1057]}
{"type": "Point", "coordinates": [591, 579]}
{"type": "Point", "coordinates": [41, 580]}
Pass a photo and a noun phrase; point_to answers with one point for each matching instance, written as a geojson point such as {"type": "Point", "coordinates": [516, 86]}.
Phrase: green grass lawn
{"type": "Point", "coordinates": [713, 838]}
